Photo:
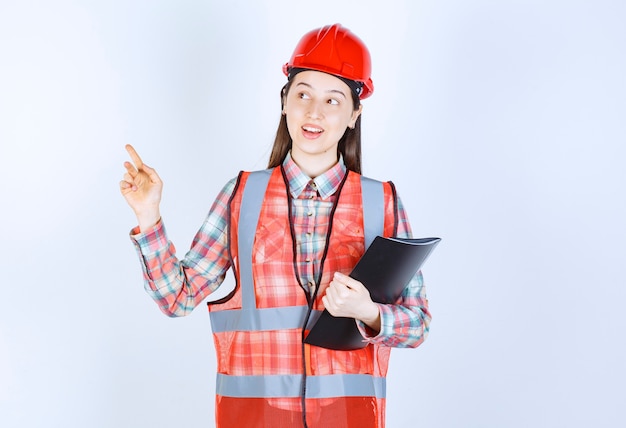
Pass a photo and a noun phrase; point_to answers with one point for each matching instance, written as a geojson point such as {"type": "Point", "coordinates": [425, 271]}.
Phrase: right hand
{"type": "Point", "coordinates": [142, 188]}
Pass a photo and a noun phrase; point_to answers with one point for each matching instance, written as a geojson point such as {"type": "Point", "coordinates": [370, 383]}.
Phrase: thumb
{"type": "Point", "coordinates": [152, 174]}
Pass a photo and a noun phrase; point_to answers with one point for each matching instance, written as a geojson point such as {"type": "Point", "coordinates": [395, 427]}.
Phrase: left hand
{"type": "Point", "coordinates": [347, 297]}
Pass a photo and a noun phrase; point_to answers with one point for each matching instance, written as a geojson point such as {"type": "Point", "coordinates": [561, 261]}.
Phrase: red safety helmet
{"type": "Point", "coordinates": [335, 50]}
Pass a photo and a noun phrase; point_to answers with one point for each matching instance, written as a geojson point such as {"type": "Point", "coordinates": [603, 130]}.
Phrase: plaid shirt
{"type": "Point", "coordinates": [179, 286]}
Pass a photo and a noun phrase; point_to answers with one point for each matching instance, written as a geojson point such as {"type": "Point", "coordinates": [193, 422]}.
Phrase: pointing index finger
{"type": "Point", "coordinates": [134, 156]}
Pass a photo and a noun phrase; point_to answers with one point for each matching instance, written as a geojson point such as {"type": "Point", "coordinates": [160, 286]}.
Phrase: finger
{"type": "Point", "coordinates": [337, 287]}
{"type": "Point", "coordinates": [130, 169]}
{"type": "Point", "coordinates": [152, 174]}
{"type": "Point", "coordinates": [134, 156]}
{"type": "Point", "coordinates": [129, 179]}
{"type": "Point", "coordinates": [337, 294]}
{"type": "Point", "coordinates": [331, 291]}
{"type": "Point", "coordinates": [342, 291]}
{"type": "Point", "coordinates": [130, 183]}
{"type": "Point", "coordinates": [341, 281]}
{"type": "Point", "coordinates": [328, 304]}
{"type": "Point", "coordinates": [126, 187]}
{"type": "Point", "coordinates": [347, 281]}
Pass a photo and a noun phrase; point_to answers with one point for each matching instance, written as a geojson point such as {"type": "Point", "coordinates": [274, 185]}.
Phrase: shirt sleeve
{"type": "Point", "coordinates": [406, 323]}
{"type": "Point", "coordinates": [178, 286]}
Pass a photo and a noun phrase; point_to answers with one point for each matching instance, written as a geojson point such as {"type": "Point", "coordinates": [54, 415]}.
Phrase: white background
{"type": "Point", "coordinates": [502, 124]}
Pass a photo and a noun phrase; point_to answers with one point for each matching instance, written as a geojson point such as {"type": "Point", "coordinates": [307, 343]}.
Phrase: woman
{"type": "Point", "coordinates": [291, 234]}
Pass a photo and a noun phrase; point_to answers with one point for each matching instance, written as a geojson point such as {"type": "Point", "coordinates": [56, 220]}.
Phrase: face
{"type": "Point", "coordinates": [318, 109]}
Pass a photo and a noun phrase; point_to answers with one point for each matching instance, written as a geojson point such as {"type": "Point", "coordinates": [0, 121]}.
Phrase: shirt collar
{"type": "Point", "coordinates": [326, 183]}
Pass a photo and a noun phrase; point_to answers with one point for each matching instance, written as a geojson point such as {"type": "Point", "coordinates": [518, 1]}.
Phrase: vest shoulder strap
{"type": "Point", "coordinates": [373, 196]}
{"type": "Point", "coordinates": [251, 203]}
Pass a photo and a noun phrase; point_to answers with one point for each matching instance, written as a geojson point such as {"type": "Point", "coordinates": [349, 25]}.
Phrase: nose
{"type": "Point", "coordinates": [316, 110]}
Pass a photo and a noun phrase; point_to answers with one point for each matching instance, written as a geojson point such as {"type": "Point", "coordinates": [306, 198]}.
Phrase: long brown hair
{"type": "Point", "coordinates": [349, 145]}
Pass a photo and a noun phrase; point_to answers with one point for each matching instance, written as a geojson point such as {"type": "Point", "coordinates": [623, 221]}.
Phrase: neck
{"type": "Point", "coordinates": [314, 167]}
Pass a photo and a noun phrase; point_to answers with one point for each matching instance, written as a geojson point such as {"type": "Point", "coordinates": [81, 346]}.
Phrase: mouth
{"type": "Point", "coordinates": [311, 131]}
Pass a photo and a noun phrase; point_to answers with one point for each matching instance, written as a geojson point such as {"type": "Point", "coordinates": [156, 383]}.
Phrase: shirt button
{"type": "Point", "coordinates": [308, 260]}
{"type": "Point", "coordinates": [310, 213]}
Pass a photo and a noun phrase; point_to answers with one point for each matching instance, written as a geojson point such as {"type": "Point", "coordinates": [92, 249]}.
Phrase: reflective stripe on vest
{"type": "Point", "coordinates": [262, 319]}
{"type": "Point", "coordinates": [276, 386]}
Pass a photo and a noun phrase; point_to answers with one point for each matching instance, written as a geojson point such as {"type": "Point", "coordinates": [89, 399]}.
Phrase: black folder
{"type": "Point", "coordinates": [385, 269]}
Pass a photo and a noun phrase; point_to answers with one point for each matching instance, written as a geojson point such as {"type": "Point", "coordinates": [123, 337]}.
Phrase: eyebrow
{"type": "Point", "coordinates": [336, 91]}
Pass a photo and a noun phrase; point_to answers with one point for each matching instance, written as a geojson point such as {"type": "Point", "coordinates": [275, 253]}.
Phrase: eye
{"type": "Point", "coordinates": [333, 102]}
{"type": "Point", "coordinates": [303, 96]}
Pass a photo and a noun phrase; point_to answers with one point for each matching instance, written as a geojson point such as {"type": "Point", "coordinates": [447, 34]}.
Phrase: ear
{"type": "Point", "coordinates": [283, 99]}
{"type": "Point", "coordinates": [355, 115]}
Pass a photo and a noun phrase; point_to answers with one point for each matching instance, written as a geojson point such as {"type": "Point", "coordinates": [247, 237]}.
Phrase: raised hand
{"type": "Point", "coordinates": [141, 187]}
